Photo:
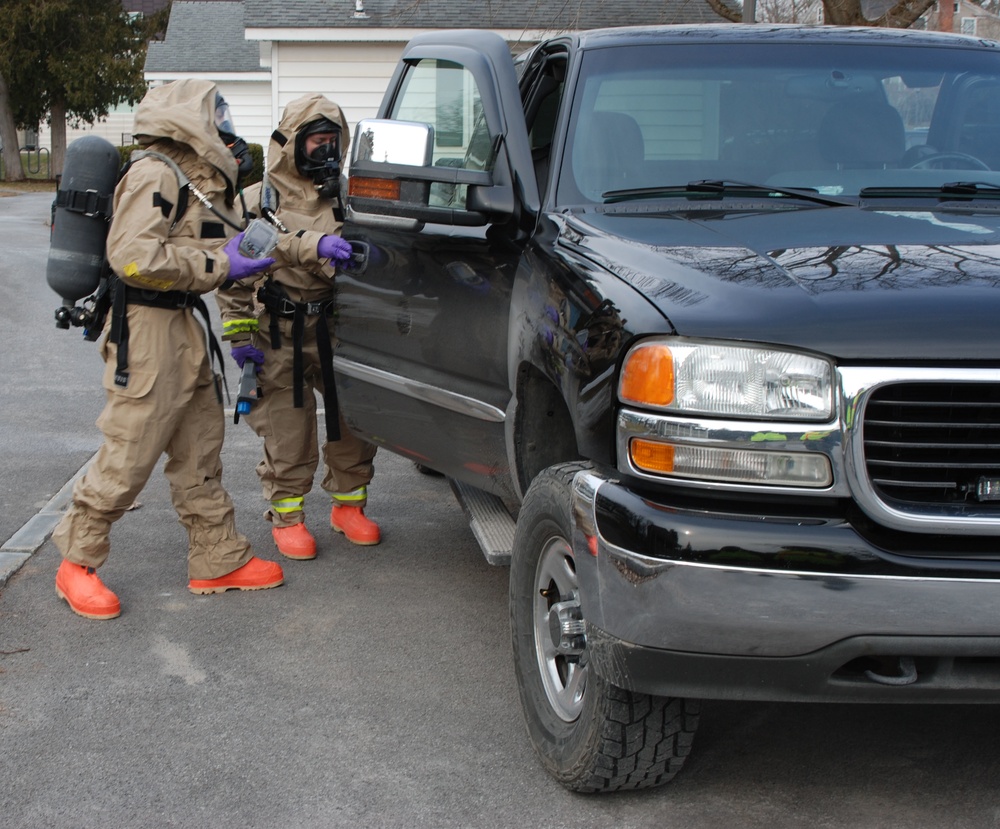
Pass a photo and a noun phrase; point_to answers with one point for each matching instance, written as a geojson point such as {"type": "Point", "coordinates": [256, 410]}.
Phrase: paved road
{"type": "Point", "coordinates": [374, 689]}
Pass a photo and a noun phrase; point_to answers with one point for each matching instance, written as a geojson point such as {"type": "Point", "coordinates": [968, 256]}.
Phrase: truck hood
{"type": "Point", "coordinates": [856, 284]}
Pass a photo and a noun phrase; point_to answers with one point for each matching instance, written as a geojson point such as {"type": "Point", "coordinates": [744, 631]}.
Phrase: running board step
{"type": "Point", "coordinates": [489, 519]}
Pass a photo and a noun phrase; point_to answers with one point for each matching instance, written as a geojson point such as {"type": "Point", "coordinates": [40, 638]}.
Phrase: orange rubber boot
{"type": "Point", "coordinates": [352, 523]}
{"type": "Point", "coordinates": [294, 542]}
{"type": "Point", "coordinates": [85, 593]}
{"type": "Point", "coordinates": [256, 574]}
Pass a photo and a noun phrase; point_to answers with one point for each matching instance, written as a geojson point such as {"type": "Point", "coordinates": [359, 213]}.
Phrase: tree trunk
{"type": "Point", "coordinates": [902, 15]}
{"type": "Point", "coordinates": [843, 13]}
{"type": "Point", "coordinates": [58, 131]}
{"type": "Point", "coordinates": [8, 136]}
{"type": "Point", "coordinates": [724, 11]}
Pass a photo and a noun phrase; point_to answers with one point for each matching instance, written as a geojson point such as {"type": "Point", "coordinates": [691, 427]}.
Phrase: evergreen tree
{"type": "Point", "coordinates": [67, 61]}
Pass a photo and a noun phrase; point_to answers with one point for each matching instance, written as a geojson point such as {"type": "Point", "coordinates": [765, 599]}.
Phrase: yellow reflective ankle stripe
{"type": "Point", "coordinates": [353, 497]}
{"type": "Point", "coordinates": [283, 505]}
{"type": "Point", "coordinates": [243, 326]}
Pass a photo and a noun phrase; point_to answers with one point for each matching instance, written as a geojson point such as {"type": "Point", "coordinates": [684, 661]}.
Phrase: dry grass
{"type": "Point", "coordinates": [12, 188]}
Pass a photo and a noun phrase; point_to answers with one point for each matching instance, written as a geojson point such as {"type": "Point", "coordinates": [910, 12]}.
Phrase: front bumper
{"type": "Point", "coordinates": [670, 625]}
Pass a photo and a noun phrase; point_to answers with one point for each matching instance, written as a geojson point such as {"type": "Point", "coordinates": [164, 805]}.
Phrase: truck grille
{"type": "Point", "coordinates": [935, 444]}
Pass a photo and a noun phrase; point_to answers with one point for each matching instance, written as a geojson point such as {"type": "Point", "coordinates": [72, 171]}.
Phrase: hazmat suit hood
{"type": "Point", "coordinates": [282, 172]}
{"type": "Point", "coordinates": [184, 112]}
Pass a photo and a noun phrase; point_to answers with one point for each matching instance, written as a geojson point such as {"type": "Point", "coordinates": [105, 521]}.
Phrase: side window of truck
{"type": "Point", "coordinates": [541, 108]}
{"type": "Point", "coordinates": [444, 94]}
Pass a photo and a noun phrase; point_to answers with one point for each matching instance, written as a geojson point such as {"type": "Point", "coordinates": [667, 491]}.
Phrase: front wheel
{"type": "Point", "coordinates": [591, 735]}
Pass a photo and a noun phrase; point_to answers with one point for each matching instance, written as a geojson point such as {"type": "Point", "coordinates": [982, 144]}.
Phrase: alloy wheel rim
{"type": "Point", "coordinates": [564, 678]}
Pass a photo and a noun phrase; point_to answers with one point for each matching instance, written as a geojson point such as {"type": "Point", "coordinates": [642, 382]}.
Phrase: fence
{"type": "Point", "coordinates": [35, 162]}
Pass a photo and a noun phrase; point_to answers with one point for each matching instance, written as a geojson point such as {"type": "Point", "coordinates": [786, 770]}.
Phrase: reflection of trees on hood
{"type": "Point", "coordinates": [890, 267]}
{"type": "Point", "coordinates": [817, 269]}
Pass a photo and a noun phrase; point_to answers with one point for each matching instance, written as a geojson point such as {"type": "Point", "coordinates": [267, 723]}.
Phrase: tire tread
{"type": "Point", "coordinates": [623, 740]}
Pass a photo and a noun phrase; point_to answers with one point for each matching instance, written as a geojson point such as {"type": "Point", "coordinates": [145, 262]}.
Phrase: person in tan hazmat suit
{"type": "Point", "coordinates": [162, 392]}
{"type": "Point", "coordinates": [290, 338]}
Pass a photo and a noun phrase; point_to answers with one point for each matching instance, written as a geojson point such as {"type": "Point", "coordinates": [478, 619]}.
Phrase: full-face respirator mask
{"type": "Point", "coordinates": [227, 132]}
{"type": "Point", "coordinates": [322, 163]}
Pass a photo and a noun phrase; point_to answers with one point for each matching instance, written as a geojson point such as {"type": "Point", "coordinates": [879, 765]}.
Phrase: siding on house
{"type": "Point", "coordinates": [116, 128]}
{"type": "Point", "coordinates": [353, 75]}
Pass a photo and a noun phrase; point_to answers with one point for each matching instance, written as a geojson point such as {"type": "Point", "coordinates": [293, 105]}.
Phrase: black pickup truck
{"type": "Point", "coordinates": [713, 312]}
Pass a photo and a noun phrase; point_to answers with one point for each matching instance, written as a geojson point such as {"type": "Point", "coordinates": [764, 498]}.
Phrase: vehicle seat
{"type": "Point", "coordinates": [608, 154]}
{"type": "Point", "coordinates": [862, 135]}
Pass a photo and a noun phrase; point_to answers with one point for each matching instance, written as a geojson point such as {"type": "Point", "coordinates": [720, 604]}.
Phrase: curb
{"type": "Point", "coordinates": [17, 549]}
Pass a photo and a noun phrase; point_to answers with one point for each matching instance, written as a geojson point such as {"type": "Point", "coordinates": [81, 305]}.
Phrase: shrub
{"type": "Point", "coordinates": [126, 151]}
{"type": "Point", "coordinates": [256, 153]}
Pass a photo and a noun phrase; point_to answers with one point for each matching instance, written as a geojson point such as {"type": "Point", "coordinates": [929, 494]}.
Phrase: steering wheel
{"type": "Point", "coordinates": [932, 162]}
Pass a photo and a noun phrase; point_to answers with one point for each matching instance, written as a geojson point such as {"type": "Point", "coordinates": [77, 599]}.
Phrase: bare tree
{"type": "Point", "coordinates": [789, 11]}
{"type": "Point", "coordinates": [845, 13]}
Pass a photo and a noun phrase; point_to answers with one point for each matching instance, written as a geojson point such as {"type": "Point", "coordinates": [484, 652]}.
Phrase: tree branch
{"type": "Point", "coordinates": [724, 11]}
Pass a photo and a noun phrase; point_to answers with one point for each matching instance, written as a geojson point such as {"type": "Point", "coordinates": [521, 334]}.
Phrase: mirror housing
{"type": "Point", "coordinates": [392, 180]}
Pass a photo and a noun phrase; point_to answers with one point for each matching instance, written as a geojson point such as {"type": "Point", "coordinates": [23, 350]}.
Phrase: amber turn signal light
{"type": "Point", "coordinates": [374, 188]}
{"type": "Point", "coordinates": [652, 456]}
{"type": "Point", "coordinates": [648, 376]}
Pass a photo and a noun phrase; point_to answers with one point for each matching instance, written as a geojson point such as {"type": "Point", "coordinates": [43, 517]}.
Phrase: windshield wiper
{"type": "Point", "coordinates": [984, 189]}
{"type": "Point", "coordinates": [722, 187]}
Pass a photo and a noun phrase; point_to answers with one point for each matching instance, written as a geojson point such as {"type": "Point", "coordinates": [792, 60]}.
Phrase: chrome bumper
{"type": "Point", "coordinates": [733, 610]}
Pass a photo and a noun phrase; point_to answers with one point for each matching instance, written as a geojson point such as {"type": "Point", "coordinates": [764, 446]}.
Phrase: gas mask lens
{"type": "Point", "coordinates": [223, 117]}
{"type": "Point", "coordinates": [326, 151]}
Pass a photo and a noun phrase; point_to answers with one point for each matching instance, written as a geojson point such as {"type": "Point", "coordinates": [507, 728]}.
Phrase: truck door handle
{"type": "Point", "coordinates": [358, 262]}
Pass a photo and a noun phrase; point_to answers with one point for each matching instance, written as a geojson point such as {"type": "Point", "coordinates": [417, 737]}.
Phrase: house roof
{"type": "Point", "coordinates": [204, 37]}
{"type": "Point", "coordinates": [554, 15]}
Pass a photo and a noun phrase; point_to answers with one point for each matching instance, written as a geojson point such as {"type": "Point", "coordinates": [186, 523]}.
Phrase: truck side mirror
{"type": "Point", "coordinates": [394, 183]}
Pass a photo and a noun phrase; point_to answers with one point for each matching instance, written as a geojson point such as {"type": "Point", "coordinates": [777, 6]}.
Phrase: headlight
{"type": "Point", "coordinates": [726, 380]}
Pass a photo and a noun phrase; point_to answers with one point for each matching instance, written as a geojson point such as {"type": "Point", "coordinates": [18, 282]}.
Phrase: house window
{"type": "Point", "coordinates": [969, 25]}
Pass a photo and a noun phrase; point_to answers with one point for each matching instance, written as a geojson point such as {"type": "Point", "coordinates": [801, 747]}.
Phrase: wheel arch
{"type": "Point", "coordinates": [544, 432]}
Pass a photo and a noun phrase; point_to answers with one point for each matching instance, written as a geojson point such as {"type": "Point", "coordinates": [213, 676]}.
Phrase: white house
{"type": "Point", "coordinates": [264, 53]}
{"type": "Point", "coordinates": [347, 49]}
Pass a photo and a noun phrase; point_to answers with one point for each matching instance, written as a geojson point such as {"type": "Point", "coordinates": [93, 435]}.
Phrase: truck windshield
{"type": "Point", "coordinates": [833, 119]}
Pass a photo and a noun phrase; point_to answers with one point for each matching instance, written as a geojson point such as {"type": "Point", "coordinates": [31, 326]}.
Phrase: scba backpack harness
{"type": "Point", "coordinates": [78, 265]}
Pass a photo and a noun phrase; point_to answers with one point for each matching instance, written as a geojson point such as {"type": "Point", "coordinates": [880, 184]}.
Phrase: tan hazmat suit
{"type": "Point", "coordinates": [290, 435]}
{"type": "Point", "coordinates": [169, 402]}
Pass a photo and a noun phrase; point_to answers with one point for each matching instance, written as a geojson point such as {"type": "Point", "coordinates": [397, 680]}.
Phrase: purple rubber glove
{"type": "Point", "coordinates": [242, 353]}
{"type": "Point", "coordinates": [240, 266]}
{"type": "Point", "coordinates": [333, 247]}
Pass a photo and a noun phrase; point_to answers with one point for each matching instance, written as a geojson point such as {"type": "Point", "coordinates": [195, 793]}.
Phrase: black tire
{"type": "Point", "coordinates": [591, 735]}
{"type": "Point", "coordinates": [426, 470]}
